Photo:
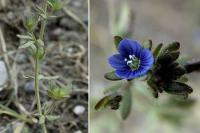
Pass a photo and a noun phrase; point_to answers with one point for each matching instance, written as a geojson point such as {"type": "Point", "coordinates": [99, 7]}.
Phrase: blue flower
{"type": "Point", "coordinates": [132, 61]}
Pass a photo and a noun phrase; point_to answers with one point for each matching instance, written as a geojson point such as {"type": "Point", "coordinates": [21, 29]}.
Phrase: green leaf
{"type": "Point", "coordinates": [26, 37]}
{"type": "Point", "coordinates": [172, 47]}
{"type": "Point", "coordinates": [38, 8]}
{"type": "Point", "coordinates": [179, 71]}
{"type": "Point", "coordinates": [42, 119]}
{"type": "Point", "coordinates": [157, 50]}
{"type": "Point", "coordinates": [28, 76]}
{"type": "Point", "coordinates": [102, 103]}
{"type": "Point", "coordinates": [44, 16]}
{"type": "Point", "coordinates": [10, 112]}
{"type": "Point", "coordinates": [178, 88]}
{"type": "Point", "coordinates": [126, 104]}
{"type": "Point", "coordinates": [48, 77]}
{"type": "Point", "coordinates": [50, 3]}
{"type": "Point", "coordinates": [182, 79]}
{"type": "Point", "coordinates": [28, 44]}
{"type": "Point", "coordinates": [117, 40]}
{"type": "Point", "coordinates": [52, 17]}
{"type": "Point", "coordinates": [112, 88]}
{"type": "Point", "coordinates": [55, 4]}
{"type": "Point", "coordinates": [166, 58]}
{"type": "Point", "coordinates": [111, 76]}
{"type": "Point", "coordinates": [154, 88]}
{"type": "Point", "coordinates": [147, 44]}
{"type": "Point", "coordinates": [52, 117]}
{"type": "Point", "coordinates": [33, 50]}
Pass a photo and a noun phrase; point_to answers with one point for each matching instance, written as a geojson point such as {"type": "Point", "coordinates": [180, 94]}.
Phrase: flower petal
{"type": "Point", "coordinates": [129, 47]}
{"type": "Point", "coordinates": [124, 74]}
{"type": "Point", "coordinates": [146, 58]}
{"type": "Point", "coordinates": [117, 62]}
{"type": "Point", "coordinates": [146, 54]}
{"type": "Point", "coordinates": [133, 75]}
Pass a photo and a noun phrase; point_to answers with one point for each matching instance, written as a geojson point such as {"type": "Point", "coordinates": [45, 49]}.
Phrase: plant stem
{"type": "Point", "coordinates": [37, 92]}
{"type": "Point", "coordinates": [43, 25]}
{"type": "Point", "coordinates": [37, 67]}
{"type": "Point", "coordinates": [18, 116]}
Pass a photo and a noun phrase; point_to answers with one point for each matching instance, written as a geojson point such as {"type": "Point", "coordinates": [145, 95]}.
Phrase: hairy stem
{"type": "Point", "coordinates": [43, 25]}
{"type": "Point", "coordinates": [37, 91]}
{"type": "Point", "coordinates": [193, 66]}
{"type": "Point", "coordinates": [37, 67]}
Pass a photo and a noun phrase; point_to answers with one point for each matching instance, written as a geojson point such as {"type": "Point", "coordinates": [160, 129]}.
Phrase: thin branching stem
{"type": "Point", "coordinates": [37, 69]}
{"type": "Point", "coordinates": [37, 91]}
{"type": "Point", "coordinates": [43, 25]}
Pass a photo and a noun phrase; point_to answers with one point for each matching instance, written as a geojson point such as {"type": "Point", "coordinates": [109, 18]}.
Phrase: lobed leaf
{"type": "Point", "coordinates": [48, 77]}
{"type": "Point", "coordinates": [52, 117]}
{"type": "Point", "coordinates": [24, 37]}
{"type": "Point", "coordinates": [28, 44]}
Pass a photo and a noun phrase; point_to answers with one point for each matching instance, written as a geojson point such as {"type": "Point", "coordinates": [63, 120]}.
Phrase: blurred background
{"type": "Point", "coordinates": [158, 20]}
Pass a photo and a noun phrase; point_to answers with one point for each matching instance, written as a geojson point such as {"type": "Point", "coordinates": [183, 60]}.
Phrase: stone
{"type": "Point", "coordinates": [79, 109]}
{"type": "Point", "coordinates": [29, 86]}
{"type": "Point", "coordinates": [79, 131]}
{"type": "Point", "coordinates": [3, 74]}
{"type": "Point", "coordinates": [21, 58]}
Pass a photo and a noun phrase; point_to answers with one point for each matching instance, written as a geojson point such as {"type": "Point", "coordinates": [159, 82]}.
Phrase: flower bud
{"type": "Point", "coordinates": [40, 52]}
{"type": "Point", "coordinates": [30, 22]}
{"type": "Point", "coordinates": [58, 93]}
{"type": "Point", "coordinates": [55, 4]}
{"type": "Point", "coordinates": [33, 50]}
{"type": "Point", "coordinates": [40, 49]}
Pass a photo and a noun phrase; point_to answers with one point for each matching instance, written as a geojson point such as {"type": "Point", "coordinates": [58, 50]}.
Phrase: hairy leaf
{"type": "Point", "coordinates": [102, 103]}
{"type": "Point", "coordinates": [111, 76]}
{"type": "Point", "coordinates": [117, 40]}
{"type": "Point", "coordinates": [157, 50]}
{"type": "Point", "coordinates": [178, 88]}
{"type": "Point", "coordinates": [27, 44]}
{"type": "Point", "coordinates": [147, 44]}
{"type": "Point", "coordinates": [172, 47]}
{"type": "Point", "coordinates": [126, 104]}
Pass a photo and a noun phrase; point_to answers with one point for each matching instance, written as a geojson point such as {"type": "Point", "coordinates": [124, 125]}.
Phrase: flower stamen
{"type": "Point", "coordinates": [133, 62]}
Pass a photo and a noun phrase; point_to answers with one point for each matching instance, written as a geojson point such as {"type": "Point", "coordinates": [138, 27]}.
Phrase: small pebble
{"type": "Point", "coordinates": [29, 86]}
{"type": "Point", "coordinates": [57, 31]}
{"type": "Point", "coordinates": [3, 73]}
{"type": "Point", "coordinates": [21, 58]}
{"type": "Point", "coordinates": [10, 15]}
{"type": "Point", "coordinates": [79, 131]}
{"type": "Point", "coordinates": [79, 109]}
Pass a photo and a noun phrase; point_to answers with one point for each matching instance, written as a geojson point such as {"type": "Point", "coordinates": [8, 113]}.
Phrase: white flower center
{"type": "Point", "coordinates": [133, 62]}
